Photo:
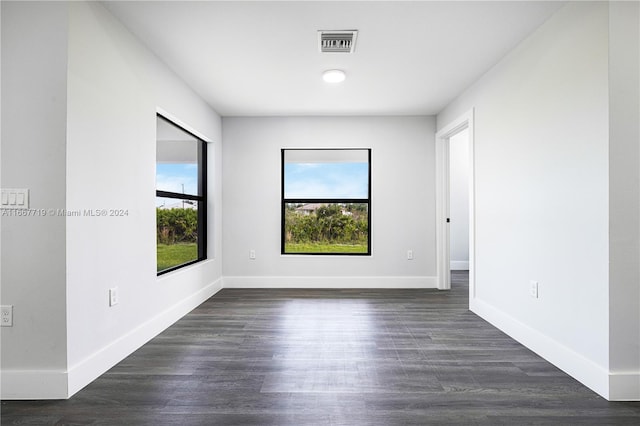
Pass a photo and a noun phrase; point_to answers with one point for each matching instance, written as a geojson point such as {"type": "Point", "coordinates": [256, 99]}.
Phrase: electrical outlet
{"type": "Point", "coordinates": [533, 289]}
{"type": "Point", "coordinates": [409, 254]}
{"type": "Point", "coordinates": [6, 318]}
{"type": "Point", "coordinates": [252, 254]}
{"type": "Point", "coordinates": [113, 296]}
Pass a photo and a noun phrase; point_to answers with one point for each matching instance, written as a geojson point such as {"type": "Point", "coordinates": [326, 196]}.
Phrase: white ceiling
{"type": "Point", "coordinates": [261, 58]}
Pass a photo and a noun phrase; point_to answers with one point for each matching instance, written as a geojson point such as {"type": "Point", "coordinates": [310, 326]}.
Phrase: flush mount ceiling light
{"type": "Point", "coordinates": [334, 76]}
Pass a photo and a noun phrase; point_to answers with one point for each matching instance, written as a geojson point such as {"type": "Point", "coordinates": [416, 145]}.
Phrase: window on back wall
{"type": "Point", "coordinates": [181, 176]}
{"type": "Point", "coordinates": [326, 201]}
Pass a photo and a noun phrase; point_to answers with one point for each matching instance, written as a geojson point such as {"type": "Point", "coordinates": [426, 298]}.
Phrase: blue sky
{"type": "Point", "coordinates": [326, 180]}
{"type": "Point", "coordinates": [171, 177]}
{"type": "Point", "coordinates": [302, 180]}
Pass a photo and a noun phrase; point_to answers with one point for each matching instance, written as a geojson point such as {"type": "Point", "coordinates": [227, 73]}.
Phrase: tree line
{"type": "Point", "coordinates": [177, 225]}
{"type": "Point", "coordinates": [333, 223]}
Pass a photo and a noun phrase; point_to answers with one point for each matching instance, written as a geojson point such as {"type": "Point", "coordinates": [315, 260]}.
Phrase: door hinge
{"type": "Point", "coordinates": [448, 220]}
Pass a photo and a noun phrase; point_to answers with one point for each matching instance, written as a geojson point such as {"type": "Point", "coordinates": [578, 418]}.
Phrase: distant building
{"type": "Point", "coordinates": [308, 209]}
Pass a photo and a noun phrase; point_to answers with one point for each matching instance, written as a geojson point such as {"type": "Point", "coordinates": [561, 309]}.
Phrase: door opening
{"type": "Point", "coordinates": [454, 241]}
{"type": "Point", "coordinates": [459, 201]}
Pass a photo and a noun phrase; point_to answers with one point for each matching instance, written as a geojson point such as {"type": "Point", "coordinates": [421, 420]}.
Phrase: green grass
{"type": "Point", "coordinates": [324, 248]}
{"type": "Point", "coordinates": [170, 255]}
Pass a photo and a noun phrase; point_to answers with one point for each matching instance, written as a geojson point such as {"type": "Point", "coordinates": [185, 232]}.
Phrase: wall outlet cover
{"type": "Point", "coordinates": [6, 317]}
{"type": "Point", "coordinates": [113, 296]}
{"type": "Point", "coordinates": [533, 289]}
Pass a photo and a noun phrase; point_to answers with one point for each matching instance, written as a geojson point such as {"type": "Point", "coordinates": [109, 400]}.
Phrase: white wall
{"type": "Point", "coordinates": [624, 199]}
{"type": "Point", "coordinates": [107, 89]}
{"type": "Point", "coordinates": [459, 200]}
{"type": "Point", "coordinates": [402, 211]}
{"type": "Point", "coordinates": [115, 89]}
{"type": "Point", "coordinates": [541, 175]}
{"type": "Point", "coordinates": [34, 92]}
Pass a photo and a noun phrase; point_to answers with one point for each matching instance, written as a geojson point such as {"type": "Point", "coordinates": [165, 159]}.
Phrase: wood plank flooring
{"type": "Point", "coordinates": [331, 357]}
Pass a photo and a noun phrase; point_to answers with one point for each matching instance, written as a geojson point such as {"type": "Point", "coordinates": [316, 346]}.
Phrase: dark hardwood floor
{"type": "Point", "coordinates": [331, 357]}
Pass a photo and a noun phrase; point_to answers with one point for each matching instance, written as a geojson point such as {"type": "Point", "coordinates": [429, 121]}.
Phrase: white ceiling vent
{"type": "Point", "coordinates": [337, 41]}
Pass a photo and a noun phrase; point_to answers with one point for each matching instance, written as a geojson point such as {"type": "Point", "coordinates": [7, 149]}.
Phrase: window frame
{"type": "Point", "coordinates": [201, 200]}
{"type": "Point", "coordinates": [285, 201]}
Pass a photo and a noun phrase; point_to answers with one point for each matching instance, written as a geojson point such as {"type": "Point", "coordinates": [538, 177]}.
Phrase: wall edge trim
{"type": "Point", "coordinates": [624, 386]}
{"type": "Point", "coordinates": [33, 384]}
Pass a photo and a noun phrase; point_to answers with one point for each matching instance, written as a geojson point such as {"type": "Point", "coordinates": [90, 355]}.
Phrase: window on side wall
{"type": "Point", "coordinates": [326, 201]}
{"type": "Point", "coordinates": [181, 176]}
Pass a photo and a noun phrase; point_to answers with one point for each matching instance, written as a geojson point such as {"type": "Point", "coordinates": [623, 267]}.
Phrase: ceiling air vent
{"type": "Point", "coordinates": [337, 41]}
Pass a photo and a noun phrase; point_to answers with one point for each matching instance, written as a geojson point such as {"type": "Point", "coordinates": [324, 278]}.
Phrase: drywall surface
{"type": "Point", "coordinates": [459, 200]}
{"type": "Point", "coordinates": [34, 92]}
{"type": "Point", "coordinates": [116, 87]}
{"type": "Point", "coordinates": [79, 104]}
{"type": "Point", "coordinates": [624, 199]}
{"type": "Point", "coordinates": [402, 209]}
{"type": "Point", "coordinates": [541, 178]}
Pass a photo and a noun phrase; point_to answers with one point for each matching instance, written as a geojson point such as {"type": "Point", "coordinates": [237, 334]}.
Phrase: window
{"type": "Point", "coordinates": [326, 201]}
{"type": "Point", "coordinates": [181, 188]}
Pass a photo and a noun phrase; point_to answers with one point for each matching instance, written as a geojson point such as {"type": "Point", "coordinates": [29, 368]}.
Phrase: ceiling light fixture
{"type": "Point", "coordinates": [334, 76]}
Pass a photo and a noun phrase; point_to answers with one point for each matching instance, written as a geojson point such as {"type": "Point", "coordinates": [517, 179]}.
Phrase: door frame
{"type": "Point", "coordinates": [443, 261]}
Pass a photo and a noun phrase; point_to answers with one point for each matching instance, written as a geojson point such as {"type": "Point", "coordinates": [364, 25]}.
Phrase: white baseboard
{"type": "Point", "coordinates": [33, 384]}
{"type": "Point", "coordinates": [97, 364]}
{"type": "Point", "coordinates": [330, 282]}
{"type": "Point", "coordinates": [459, 265]}
{"type": "Point", "coordinates": [624, 386]}
{"type": "Point", "coordinates": [48, 384]}
{"type": "Point", "coordinates": [54, 384]}
{"type": "Point", "coordinates": [577, 366]}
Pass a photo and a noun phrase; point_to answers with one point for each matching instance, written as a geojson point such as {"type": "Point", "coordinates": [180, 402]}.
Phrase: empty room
{"type": "Point", "coordinates": [320, 212]}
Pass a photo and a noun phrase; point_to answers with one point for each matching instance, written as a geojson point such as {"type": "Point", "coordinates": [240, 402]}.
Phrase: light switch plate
{"type": "Point", "coordinates": [15, 198]}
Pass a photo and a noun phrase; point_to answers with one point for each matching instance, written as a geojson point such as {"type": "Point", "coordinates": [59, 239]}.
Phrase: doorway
{"type": "Point", "coordinates": [460, 130]}
{"type": "Point", "coordinates": [459, 201]}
